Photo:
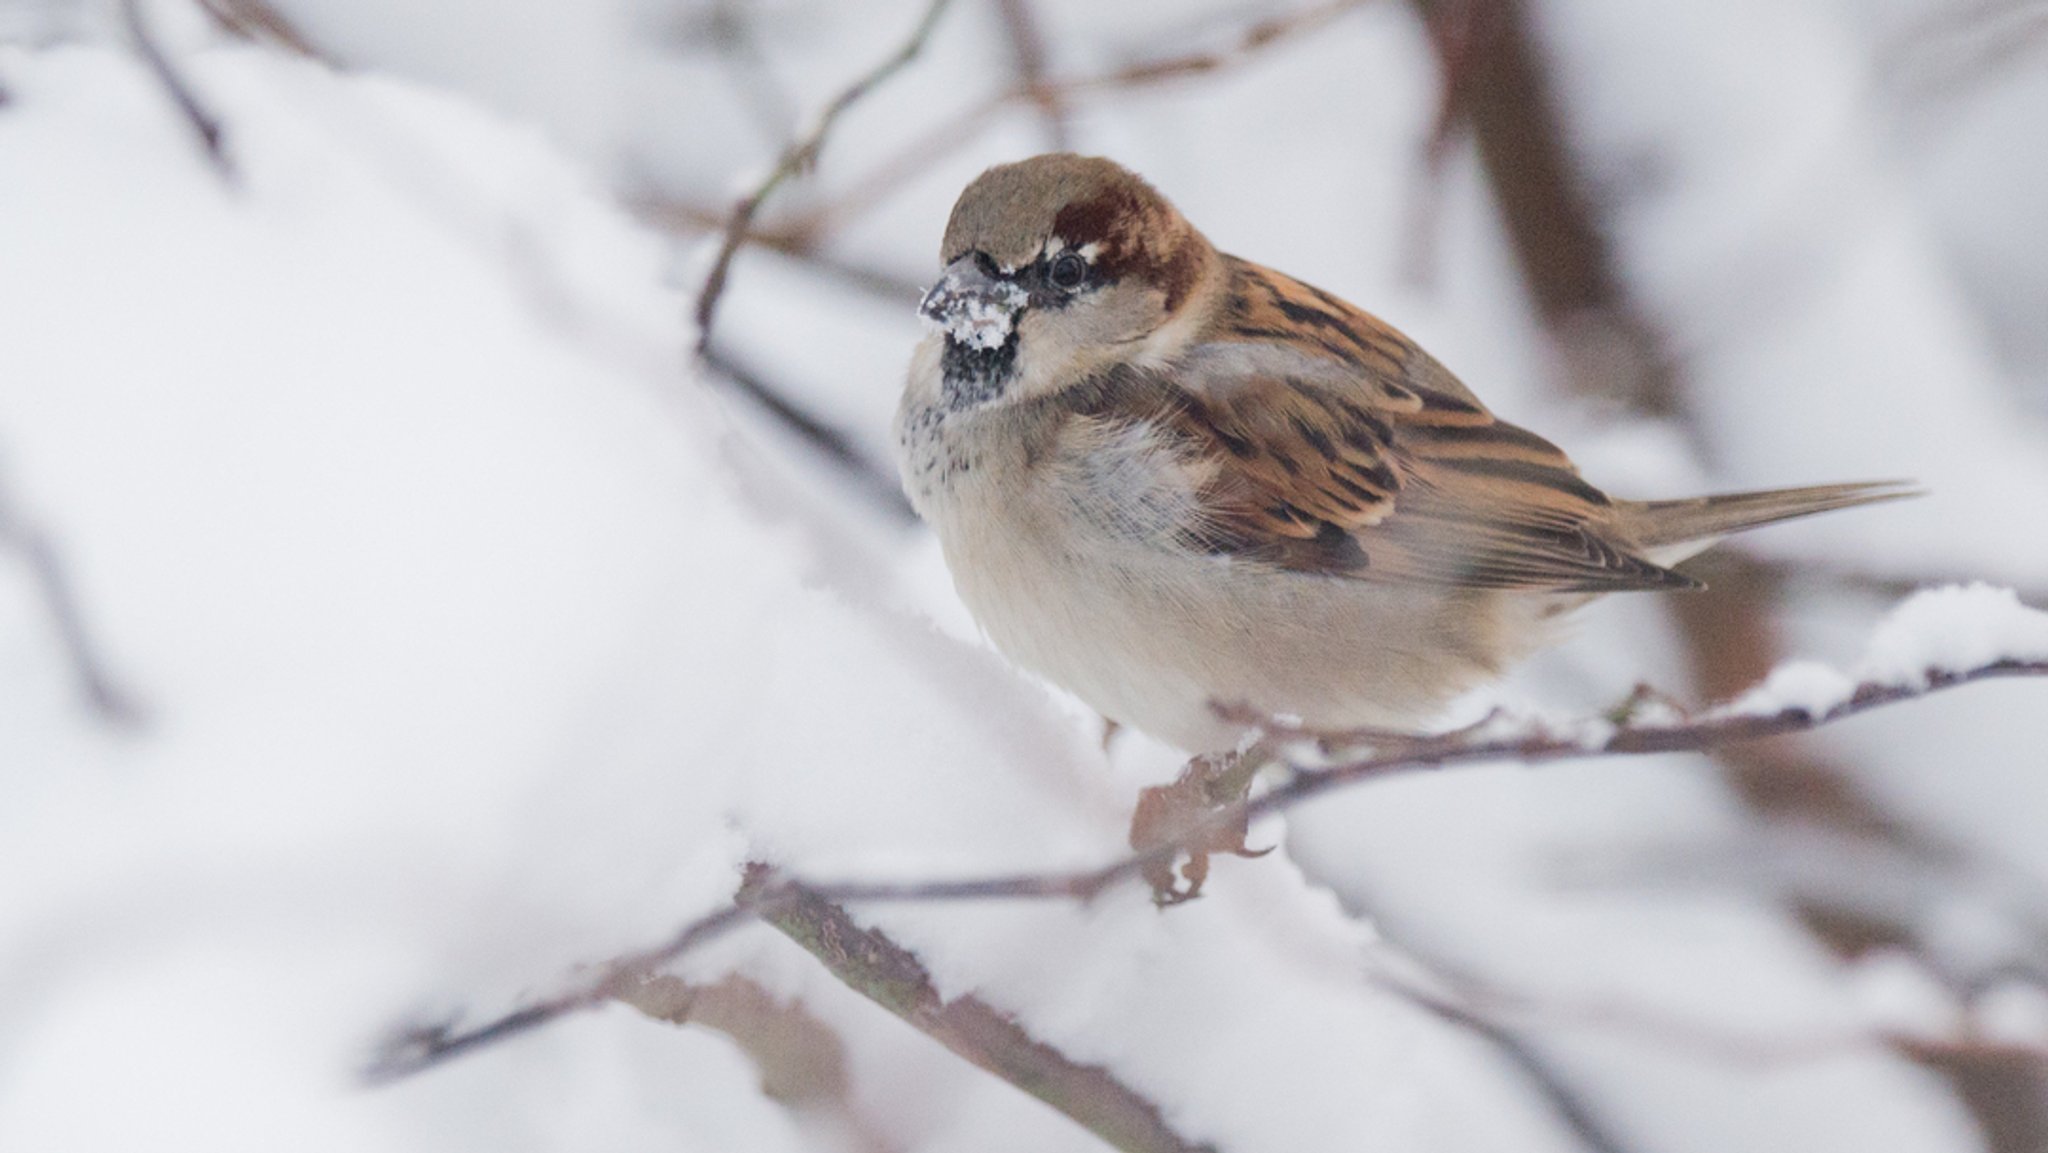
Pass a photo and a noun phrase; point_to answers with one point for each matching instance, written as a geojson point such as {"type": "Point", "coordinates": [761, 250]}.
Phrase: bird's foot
{"type": "Point", "coordinates": [1199, 815]}
{"type": "Point", "coordinates": [1648, 705]}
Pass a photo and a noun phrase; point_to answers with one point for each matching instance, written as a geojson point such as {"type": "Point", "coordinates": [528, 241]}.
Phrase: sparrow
{"type": "Point", "coordinates": [1168, 479]}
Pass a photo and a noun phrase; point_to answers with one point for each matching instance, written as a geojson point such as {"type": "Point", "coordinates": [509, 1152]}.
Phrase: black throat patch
{"type": "Point", "coordinates": [971, 376]}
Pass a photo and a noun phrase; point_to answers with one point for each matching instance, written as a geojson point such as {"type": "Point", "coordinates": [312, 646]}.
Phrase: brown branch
{"type": "Point", "coordinates": [798, 157]}
{"type": "Point", "coordinates": [206, 126]}
{"type": "Point", "coordinates": [1530, 742]}
{"type": "Point", "coordinates": [260, 22]}
{"type": "Point", "coordinates": [681, 216]}
{"type": "Point", "coordinates": [871, 964]}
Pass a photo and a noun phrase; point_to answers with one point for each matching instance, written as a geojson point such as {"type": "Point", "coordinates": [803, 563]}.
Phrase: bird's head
{"type": "Point", "coordinates": [1057, 267]}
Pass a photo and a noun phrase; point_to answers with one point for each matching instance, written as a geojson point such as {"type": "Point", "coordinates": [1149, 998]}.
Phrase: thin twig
{"type": "Point", "coordinates": [1027, 53]}
{"type": "Point", "coordinates": [419, 1047]}
{"type": "Point", "coordinates": [101, 690]}
{"type": "Point", "coordinates": [957, 131]}
{"type": "Point", "coordinates": [1472, 1001]}
{"type": "Point", "coordinates": [797, 158]}
{"type": "Point", "coordinates": [1571, 1107]}
{"type": "Point", "coordinates": [205, 124]}
{"type": "Point", "coordinates": [1531, 743]}
{"type": "Point", "coordinates": [873, 481]}
{"type": "Point", "coordinates": [260, 22]}
{"type": "Point", "coordinates": [681, 216]}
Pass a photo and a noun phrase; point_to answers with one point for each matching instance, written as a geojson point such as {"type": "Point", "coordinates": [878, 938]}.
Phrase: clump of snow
{"type": "Point", "coordinates": [978, 316]}
{"type": "Point", "coordinates": [1807, 686]}
{"type": "Point", "coordinates": [1953, 628]}
{"type": "Point", "coordinates": [1934, 631]}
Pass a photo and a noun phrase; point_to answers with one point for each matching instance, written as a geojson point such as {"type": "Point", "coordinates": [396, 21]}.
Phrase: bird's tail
{"type": "Point", "coordinates": [1671, 530]}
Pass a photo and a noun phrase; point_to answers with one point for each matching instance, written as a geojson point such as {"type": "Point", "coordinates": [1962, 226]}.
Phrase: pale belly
{"type": "Point", "coordinates": [1156, 638]}
{"type": "Point", "coordinates": [1160, 650]}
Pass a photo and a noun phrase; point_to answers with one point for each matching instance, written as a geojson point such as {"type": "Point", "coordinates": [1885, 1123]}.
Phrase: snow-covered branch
{"type": "Point", "coordinates": [1938, 640]}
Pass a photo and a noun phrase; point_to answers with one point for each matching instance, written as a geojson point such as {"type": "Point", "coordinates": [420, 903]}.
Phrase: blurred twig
{"type": "Point", "coordinates": [205, 124]}
{"type": "Point", "coordinates": [101, 690]}
{"type": "Point", "coordinates": [955, 132]}
{"type": "Point", "coordinates": [1618, 352]}
{"type": "Point", "coordinates": [1489, 1007]}
{"type": "Point", "coordinates": [1027, 52]}
{"type": "Point", "coordinates": [680, 216]}
{"type": "Point", "coordinates": [260, 21]}
{"type": "Point", "coordinates": [1528, 741]}
{"type": "Point", "coordinates": [1457, 28]}
{"type": "Point", "coordinates": [796, 159]}
{"type": "Point", "coordinates": [1572, 1109]}
{"type": "Point", "coordinates": [875, 482]}
{"type": "Point", "coordinates": [1958, 48]}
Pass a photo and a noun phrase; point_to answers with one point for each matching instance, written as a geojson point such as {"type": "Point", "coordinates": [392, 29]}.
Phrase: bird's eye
{"type": "Point", "coordinates": [1068, 272]}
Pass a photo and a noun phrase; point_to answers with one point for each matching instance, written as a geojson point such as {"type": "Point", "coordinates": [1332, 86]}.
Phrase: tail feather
{"type": "Point", "coordinates": [1671, 530]}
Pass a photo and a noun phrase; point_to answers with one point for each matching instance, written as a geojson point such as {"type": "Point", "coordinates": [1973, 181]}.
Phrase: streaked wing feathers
{"type": "Point", "coordinates": [1328, 443]}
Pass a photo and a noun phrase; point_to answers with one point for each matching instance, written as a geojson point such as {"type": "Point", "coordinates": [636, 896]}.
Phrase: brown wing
{"type": "Point", "coordinates": [1327, 442]}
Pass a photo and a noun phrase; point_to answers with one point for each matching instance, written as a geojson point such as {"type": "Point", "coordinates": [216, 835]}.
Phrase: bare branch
{"type": "Point", "coordinates": [261, 22]}
{"type": "Point", "coordinates": [871, 964]}
{"type": "Point", "coordinates": [103, 693]}
{"type": "Point", "coordinates": [421, 1046]}
{"type": "Point", "coordinates": [681, 216]}
{"type": "Point", "coordinates": [876, 483]}
{"type": "Point", "coordinates": [1528, 741]}
{"type": "Point", "coordinates": [205, 125]}
{"type": "Point", "coordinates": [1489, 1008]}
{"type": "Point", "coordinates": [1572, 1109]}
{"type": "Point", "coordinates": [797, 158]}
{"type": "Point", "coordinates": [958, 131]}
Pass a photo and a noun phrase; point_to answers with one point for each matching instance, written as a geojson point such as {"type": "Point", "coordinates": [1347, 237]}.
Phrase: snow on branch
{"type": "Point", "coordinates": [1936, 640]}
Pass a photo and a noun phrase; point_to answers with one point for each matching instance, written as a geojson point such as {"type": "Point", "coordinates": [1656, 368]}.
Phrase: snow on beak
{"type": "Point", "coordinates": [972, 307]}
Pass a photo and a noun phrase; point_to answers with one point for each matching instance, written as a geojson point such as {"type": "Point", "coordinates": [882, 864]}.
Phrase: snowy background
{"type": "Point", "coordinates": [397, 619]}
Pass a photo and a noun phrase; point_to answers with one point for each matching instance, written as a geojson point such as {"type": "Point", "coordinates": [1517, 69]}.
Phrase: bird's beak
{"type": "Point", "coordinates": [972, 307]}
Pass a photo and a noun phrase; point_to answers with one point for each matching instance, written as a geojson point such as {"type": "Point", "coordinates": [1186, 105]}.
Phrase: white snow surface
{"type": "Point", "coordinates": [466, 661]}
{"type": "Point", "coordinates": [477, 642]}
{"type": "Point", "coordinates": [1934, 631]}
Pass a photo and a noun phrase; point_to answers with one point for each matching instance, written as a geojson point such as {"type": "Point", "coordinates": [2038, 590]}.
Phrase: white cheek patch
{"type": "Point", "coordinates": [978, 317]}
